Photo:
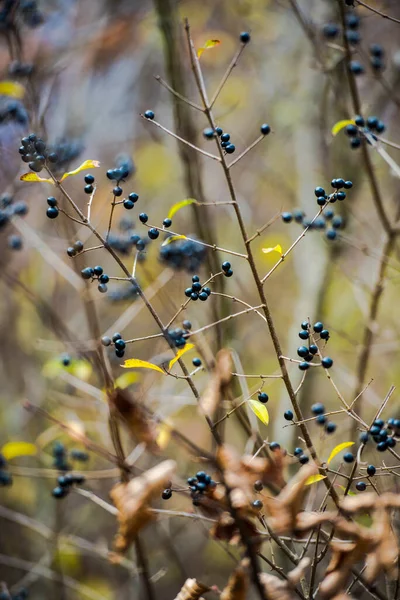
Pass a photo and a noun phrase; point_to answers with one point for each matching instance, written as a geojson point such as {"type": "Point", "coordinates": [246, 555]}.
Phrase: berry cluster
{"type": "Point", "coordinates": [329, 218]}
{"type": "Point", "coordinates": [178, 336]}
{"type": "Point", "coordinates": [96, 274]}
{"type": "Point", "coordinates": [303, 458]}
{"type": "Point", "coordinates": [383, 433]}
{"type": "Point", "coordinates": [33, 150]}
{"type": "Point", "coordinates": [7, 209]}
{"type": "Point", "coordinates": [199, 484]}
{"type": "Point", "coordinates": [13, 111]}
{"type": "Point", "coordinates": [186, 255]}
{"type": "Point", "coordinates": [124, 168]}
{"type": "Point", "coordinates": [5, 476]}
{"type": "Point", "coordinates": [66, 150]}
{"type": "Point", "coordinates": [225, 139]}
{"type": "Point", "coordinates": [197, 291]}
{"type": "Point", "coordinates": [318, 409]}
{"type": "Point", "coordinates": [127, 239]}
{"type": "Point", "coordinates": [60, 456]}
{"type": "Point", "coordinates": [362, 126]}
{"type": "Point", "coordinates": [119, 344]}
{"type": "Point", "coordinates": [332, 30]}
{"type": "Point", "coordinates": [75, 249]}
{"type": "Point", "coordinates": [65, 483]}
{"type": "Point", "coordinates": [308, 353]}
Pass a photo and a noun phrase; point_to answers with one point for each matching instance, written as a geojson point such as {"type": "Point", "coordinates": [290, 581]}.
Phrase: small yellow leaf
{"type": "Point", "coordinates": [338, 449]}
{"type": "Point", "coordinates": [14, 449]}
{"type": "Point", "coordinates": [163, 436]}
{"type": "Point", "coordinates": [314, 479]}
{"type": "Point", "coordinates": [82, 369]}
{"type": "Point", "coordinates": [341, 125]}
{"type": "Point", "coordinates": [13, 89]}
{"type": "Point", "coordinates": [34, 177]}
{"type": "Point", "coordinates": [349, 493]}
{"type": "Point", "coordinates": [276, 248]}
{"type": "Point", "coordinates": [88, 164]}
{"type": "Point", "coordinates": [209, 44]}
{"type": "Point", "coordinates": [260, 410]}
{"type": "Point", "coordinates": [178, 205]}
{"type": "Point", "coordinates": [180, 353]}
{"type": "Point", "coordinates": [173, 238]}
{"type": "Point", "coordinates": [125, 380]}
{"type": "Point", "coordinates": [136, 363]}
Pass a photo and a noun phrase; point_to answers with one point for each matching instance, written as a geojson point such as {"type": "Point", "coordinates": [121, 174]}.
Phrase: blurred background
{"type": "Point", "coordinates": [88, 72]}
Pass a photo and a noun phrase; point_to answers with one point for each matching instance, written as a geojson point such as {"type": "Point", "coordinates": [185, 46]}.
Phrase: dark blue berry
{"type": "Point", "coordinates": [318, 327]}
{"type": "Point", "coordinates": [304, 459]}
{"type": "Point", "coordinates": [87, 273]}
{"type": "Point", "coordinates": [102, 287]}
{"type": "Point", "coordinates": [321, 420]}
{"type": "Point", "coordinates": [14, 242]}
{"type": "Point", "coordinates": [194, 296]}
{"type": "Point", "coordinates": [355, 142]}
{"type": "Point", "coordinates": [226, 266]}
{"type": "Point", "coordinates": [225, 137]}
{"type": "Point", "coordinates": [288, 415]}
{"type": "Point", "coordinates": [302, 351]}
{"type": "Point", "coordinates": [352, 21]}
{"type": "Point", "coordinates": [305, 325]}
{"type": "Point", "coordinates": [313, 349]}
{"type": "Point", "coordinates": [265, 129]}
{"type": "Point", "coordinates": [380, 127]}
{"type": "Point", "coordinates": [274, 446]}
{"type": "Point", "coordinates": [203, 296]}
{"type": "Point", "coordinates": [116, 336]}
{"type": "Point", "coordinates": [330, 427]}
{"type": "Point", "coordinates": [327, 362]}
{"type": "Point", "coordinates": [149, 114]}
{"type": "Point", "coordinates": [298, 216]}
{"type": "Point", "coordinates": [257, 504]}
{"type": "Point", "coordinates": [143, 218]}
{"type": "Point", "coordinates": [219, 131]}
{"type": "Point", "coordinates": [88, 189]}
{"type": "Point", "coordinates": [98, 271]}
{"type": "Point", "coordinates": [59, 492]}
{"type": "Point", "coordinates": [5, 479]}
{"type": "Point", "coordinates": [324, 335]}
{"type": "Point", "coordinates": [303, 366]}
{"type": "Point", "coordinates": [331, 234]}
{"type": "Point", "coordinates": [188, 292]}
{"type": "Point", "coordinates": [89, 179]}
{"type": "Point", "coordinates": [287, 217]}
{"type": "Point", "coordinates": [120, 344]}
{"type": "Point", "coordinates": [228, 273]}
{"type": "Point", "coordinates": [187, 324]}
{"type": "Point", "coordinates": [382, 446]}
{"type": "Point", "coordinates": [330, 30]}
{"type": "Point", "coordinates": [263, 397]}
{"type": "Point", "coordinates": [52, 212]}
{"type": "Point", "coordinates": [230, 148]}
{"type": "Point", "coordinates": [153, 233]}
{"type": "Point", "coordinates": [208, 133]}
{"type": "Point", "coordinates": [298, 451]}
{"type": "Point", "coordinates": [391, 442]}
{"type": "Point", "coordinates": [353, 37]}
{"type": "Point", "coordinates": [319, 191]}
{"type": "Point", "coordinates": [318, 408]}
{"type": "Point", "coordinates": [361, 486]}
{"type": "Point", "coordinates": [128, 204]}
{"type": "Point", "coordinates": [371, 470]}
{"type": "Point", "coordinates": [245, 37]}
{"type": "Point", "coordinates": [167, 223]}
{"type": "Point", "coordinates": [196, 362]}
{"type": "Point", "coordinates": [364, 437]}
{"type": "Point", "coordinates": [304, 335]}
{"type": "Point", "coordinates": [167, 493]}
{"type": "Point", "coordinates": [348, 457]}
{"type": "Point", "coordinates": [356, 67]}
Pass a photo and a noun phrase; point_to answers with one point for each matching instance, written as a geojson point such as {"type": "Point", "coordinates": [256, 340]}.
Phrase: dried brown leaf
{"type": "Point", "coordinates": [280, 589]}
{"type": "Point", "coordinates": [192, 590]}
{"type": "Point", "coordinates": [134, 417]}
{"type": "Point", "coordinates": [282, 510]}
{"type": "Point", "coordinates": [133, 499]}
{"type": "Point", "coordinates": [226, 529]}
{"type": "Point", "coordinates": [237, 586]}
{"type": "Point", "coordinates": [219, 381]}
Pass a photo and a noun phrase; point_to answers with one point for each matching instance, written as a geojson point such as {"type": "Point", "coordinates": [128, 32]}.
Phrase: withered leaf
{"type": "Point", "coordinates": [237, 586]}
{"type": "Point", "coordinates": [133, 499]}
{"type": "Point", "coordinates": [219, 381]}
{"type": "Point", "coordinates": [282, 510]}
{"type": "Point", "coordinates": [280, 589]}
{"type": "Point", "coordinates": [192, 590]}
{"type": "Point", "coordinates": [134, 416]}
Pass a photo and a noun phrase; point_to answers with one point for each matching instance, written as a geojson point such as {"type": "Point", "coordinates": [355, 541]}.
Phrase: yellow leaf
{"type": "Point", "coordinates": [14, 449]}
{"type": "Point", "coordinates": [180, 353]}
{"type": "Point", "coordinates": [276, 248]}
{"type": "Point", "coordinates": [314, 479]}
{"type": "Point", "coordinates": [209, 44]}
{"type": "Point", "coordinates": [163, 436]}
{"type": "Point", "coordinates": [136, 363]}
{"type": "Point", "coordinates": [338, 449]}
{"type": "Point", "coordinates": [82, 369]}
{"type": "Point", "coordinates": [125, 380]}
{"type": "Point", "coordinates": [88, 164]}
{"type": "Point", "coordinates": [34, 177]}
{"type": "Point", "coordinates": [13, 89]}
{"type": "Point", "coordinates": [349, 493]}
{"type": "Point", "coordinates": [260, 410]}
{"type": "Point", "coordinates": [173, 238]}
{"type": "Point", "coordinates": [341, 125]}
{"type": "Point", "coordinates": [178, 205]}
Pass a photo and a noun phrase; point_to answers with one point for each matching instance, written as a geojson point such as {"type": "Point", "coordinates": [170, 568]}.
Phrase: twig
{"type": "Point", "coordinates": [177, 94]}
{"type": "Point", "coordinates": [378, 12]}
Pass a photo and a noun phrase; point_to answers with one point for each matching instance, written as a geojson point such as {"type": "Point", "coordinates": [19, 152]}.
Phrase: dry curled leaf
{"type": "Point", "coordinates": [133, 499]}
{"type": "Point", "coordinates": [282, 510]}
{"type": "Point", "coordinates": [135, 417]}
{"type": "Point", "coordinates": [226, 529]}
{"type": "Point", "coordinates": [219, 381]}
{"type": "Point", "coordinates": [192, 590]}
{"type": "Point", "coordinates": [237, 586]}
{"type": "Point", "coordinates": [280, 589]}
